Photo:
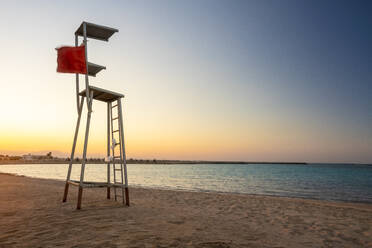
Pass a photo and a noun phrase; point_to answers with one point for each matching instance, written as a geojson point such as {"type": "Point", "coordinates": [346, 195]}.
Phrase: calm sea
{"type": "Point", "coordinates": [334, 182]}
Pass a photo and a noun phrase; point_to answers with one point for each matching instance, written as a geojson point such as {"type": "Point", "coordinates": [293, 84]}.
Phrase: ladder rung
{"type": "Point", "coordinates": [117, 169]}
{"type": "Point", "coordinates": [114, 106]}
{"type": "Point", "coordinates": [117, 156]}
{"type": "Point", "coordinates": [115, 118]}
{"type": "Point", "coordinates": [115, 131]}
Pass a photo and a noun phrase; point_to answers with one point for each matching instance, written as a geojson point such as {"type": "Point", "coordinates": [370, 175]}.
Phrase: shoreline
{"type": "Point", "coordinates": [209, 191]}
{"type": "Point", "coordinates": [33, 214]}
{"type": "Point", "coordinates": [143, 161]}
{"type": "Point", "coordinates": [213, 192]}
{"type": "Point", "coordinates": [171, 162]}
{"type": "Point", "coordinates": [174, 190]}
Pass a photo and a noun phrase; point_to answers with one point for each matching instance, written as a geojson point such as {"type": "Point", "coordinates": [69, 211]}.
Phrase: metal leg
{"type": "Point", "coordinates": [89, 103]}
{"type": "Point", "coordinates": [122, 147]}
{"type": "Point", "coordinates": [108, 150]}
{"type": "Point", "coordinates": [80, 194]}
{"type": "Point", "coordinates": [73, 149]}
{"type": "Point", "coordinates": [127, 196]}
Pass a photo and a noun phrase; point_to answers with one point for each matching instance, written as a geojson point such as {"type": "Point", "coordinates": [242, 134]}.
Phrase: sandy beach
{"type": "Point", "coordinates": [32, 215]}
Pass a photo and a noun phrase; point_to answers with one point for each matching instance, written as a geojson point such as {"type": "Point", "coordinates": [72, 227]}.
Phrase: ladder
{"type": "Point", "coordinates": [117, 161]}
{"type": "Point", "coordinates": [117, 142]}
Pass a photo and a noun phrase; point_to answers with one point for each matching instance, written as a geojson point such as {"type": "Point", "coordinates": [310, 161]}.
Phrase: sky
{"type": "Point", "coordinates": [203, 80]}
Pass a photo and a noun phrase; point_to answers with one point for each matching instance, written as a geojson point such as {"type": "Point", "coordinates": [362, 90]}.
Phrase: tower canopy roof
{"type": "Point", "coordinates": [95, 31]}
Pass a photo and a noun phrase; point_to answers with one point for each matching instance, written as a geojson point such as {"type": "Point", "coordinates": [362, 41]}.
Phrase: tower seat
{"type": "Point", "coordinates": [102, 94]}
{"type": "Point", "coordinates": [93, 69]}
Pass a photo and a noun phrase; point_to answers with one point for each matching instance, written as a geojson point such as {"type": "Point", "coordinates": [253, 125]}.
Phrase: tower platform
{"type": "Point", "coordinates": [102, 94]}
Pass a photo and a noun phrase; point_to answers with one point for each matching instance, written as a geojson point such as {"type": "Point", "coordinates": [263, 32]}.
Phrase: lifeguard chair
{"type": "Point", "coordinates": [116, 159]}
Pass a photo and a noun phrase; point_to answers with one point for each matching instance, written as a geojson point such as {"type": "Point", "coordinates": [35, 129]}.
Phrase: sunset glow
{"type": "Point", "coordinates": [198, 84]}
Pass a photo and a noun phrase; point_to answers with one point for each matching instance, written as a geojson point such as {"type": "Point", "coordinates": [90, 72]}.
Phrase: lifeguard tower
{"type": "Point", "coordinates": [116, 159]}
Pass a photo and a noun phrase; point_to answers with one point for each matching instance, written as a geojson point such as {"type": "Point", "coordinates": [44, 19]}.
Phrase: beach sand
{"type": "Point", "coordinates": [32, 215]}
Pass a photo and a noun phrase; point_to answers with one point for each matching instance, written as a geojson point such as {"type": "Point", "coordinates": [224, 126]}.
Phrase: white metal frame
{"type": "Point", "coordinates": [89, 96]}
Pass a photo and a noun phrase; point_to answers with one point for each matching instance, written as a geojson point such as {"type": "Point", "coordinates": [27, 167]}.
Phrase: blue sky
{"type": "Point", "coordinates": [228, 80]}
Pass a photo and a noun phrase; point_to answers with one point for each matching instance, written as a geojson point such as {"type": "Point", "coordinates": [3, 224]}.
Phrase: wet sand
{"type": "Point", "coordinates": [32, 215]}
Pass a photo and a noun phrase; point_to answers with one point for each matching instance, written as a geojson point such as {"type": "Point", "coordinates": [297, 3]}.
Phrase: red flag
{"type": "Point", "coordinates": [71, 60]}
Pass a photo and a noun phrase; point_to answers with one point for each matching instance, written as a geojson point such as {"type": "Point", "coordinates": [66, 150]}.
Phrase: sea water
{"type": "Point", "coordinates": [333, 182]}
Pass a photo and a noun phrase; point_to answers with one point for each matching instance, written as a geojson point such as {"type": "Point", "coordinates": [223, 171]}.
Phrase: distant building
{"type": "Point", "coordinates": [28, 157]}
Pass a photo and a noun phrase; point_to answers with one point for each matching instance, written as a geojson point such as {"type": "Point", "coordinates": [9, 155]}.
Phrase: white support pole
{"type": "Point", "coordinates": [75, 138]}
{"type": "Point", "coordinates": [121, 152]}
{"type": "Point", "coordinates": [73, 149]}
{"type": "Point", "coordinates": [108, 150]}
{"type": "Point", "coordinates": [122, 147]}
{"type": "Point", "coordinates": [84, 152]}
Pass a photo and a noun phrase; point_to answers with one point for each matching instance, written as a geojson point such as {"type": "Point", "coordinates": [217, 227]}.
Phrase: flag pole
{"type": "Point", "coordinates": [77, 78]}
{"type": "Point", "coordinates": [86, 62]}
